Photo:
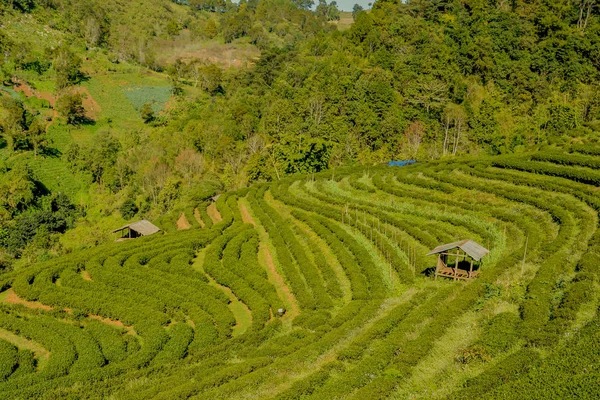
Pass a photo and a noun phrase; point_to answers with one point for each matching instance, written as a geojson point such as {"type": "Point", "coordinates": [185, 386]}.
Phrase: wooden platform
{"type": "Point", "coordinates": [448, 272]}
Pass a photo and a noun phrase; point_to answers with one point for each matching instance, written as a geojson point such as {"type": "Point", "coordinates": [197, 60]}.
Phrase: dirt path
{"type": "Point", "coordinates": [199, 218]}
{"type": "Point", "coordinates": [265, 258]}
{"type": "Point", "coordinates": [113, 322]}
{"type": "Point", "coordinates": [12, 298]}
{"type": "Point", "coordinates": [246, 216]}
{"type": "Point", "coordinates": [213, 213]}
{"type": "Point", "coordinates": [183, 223]}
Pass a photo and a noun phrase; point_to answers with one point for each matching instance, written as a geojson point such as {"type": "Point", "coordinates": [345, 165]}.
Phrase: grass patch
{"type": "Point", "coordinates": [41, 354]}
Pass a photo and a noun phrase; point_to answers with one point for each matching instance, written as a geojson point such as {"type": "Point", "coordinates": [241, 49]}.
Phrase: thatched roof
{"type": "Point", "coordinates": [473, 249]}
{"type": "Point", "coordinates": [143, 227]}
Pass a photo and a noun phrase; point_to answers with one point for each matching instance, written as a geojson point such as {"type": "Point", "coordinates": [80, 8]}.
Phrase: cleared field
{"type": "Point", "coordinates": [186, 48]}
{"type": "Point", "coordinates": [195, 313]}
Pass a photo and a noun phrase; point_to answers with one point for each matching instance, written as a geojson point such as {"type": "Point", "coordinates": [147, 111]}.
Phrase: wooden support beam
{"type": "Point", "coordinates": [437, 267]}
{"type": "Point", "coordinates": [456, 265]}
{"type": "Point", "coordinates": [471, 269]}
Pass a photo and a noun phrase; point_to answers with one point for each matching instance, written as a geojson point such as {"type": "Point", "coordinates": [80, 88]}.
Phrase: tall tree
{"type": "Point", "coordinates": [66, 66]}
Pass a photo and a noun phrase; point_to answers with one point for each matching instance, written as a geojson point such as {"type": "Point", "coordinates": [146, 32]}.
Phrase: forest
{"type": "Point", "coordinates": [296, 92]}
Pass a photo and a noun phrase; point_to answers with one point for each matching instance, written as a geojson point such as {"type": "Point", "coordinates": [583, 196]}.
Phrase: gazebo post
{"type": "Point", "coordinates": [471, 269]}
{"type": "Point", "coordinates": [456, 266]}
{"type": "Point", "coordinates": [437, 267]}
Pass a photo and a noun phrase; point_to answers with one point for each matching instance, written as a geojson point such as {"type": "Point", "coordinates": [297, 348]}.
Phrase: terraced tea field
{"type": "Point", "coordinates": [195, 313]}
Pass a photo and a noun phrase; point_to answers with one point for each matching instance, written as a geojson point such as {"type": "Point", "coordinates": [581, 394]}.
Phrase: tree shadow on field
{"type": "Point", "coordinates": [428, 272]}
{"type": "Point", "coordinates": [3, 143]}
{"type": "Point", "coordinates": [50, 152]}
{"type": "Point", "coordinates": [86, 121]}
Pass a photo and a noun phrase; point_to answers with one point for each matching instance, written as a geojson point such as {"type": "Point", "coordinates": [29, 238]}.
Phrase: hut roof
{"type": "Point", "coordinates": [473, 249]}
{"type": "Point", "coordinates": [143, 227]}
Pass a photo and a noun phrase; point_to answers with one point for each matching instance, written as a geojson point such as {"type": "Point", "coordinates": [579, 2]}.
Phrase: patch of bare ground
{"type": "Point", "coordinates": [12, 298]}
{"type": "Point", "coordinates": [183, 223]}
{"type": "Point", "coordinates": [213, 213]}
{"type": "Point", "coordinates": [246, 216]}
{"type": "Point", "coordinates": [198, 218]}
{"type": "Point", "coordinates": [113, 322]}
{"type": "Point", "coordinates": [266, 259]}
{"type": "Point", "coordinates": [28, 91]}
{"type": "Point", "coordinates": [86, 276]}
{"type": "Point", "coordinates": [186, 48]}
{"type": "Point", "coordinates": [91, 106]}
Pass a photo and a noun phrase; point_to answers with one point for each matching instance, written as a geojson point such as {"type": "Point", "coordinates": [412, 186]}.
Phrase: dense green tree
{"type": "Point", "coordinates": [356, 10]}
{"type": "Point", "coordinates": [17, 190]}
{"type": "Point", "coordinates": [210, 29]}
{"type": "Point", "coordinates": [147, 113]}
{"type": "Point", "coordinates": [13, 120]}
{"type": "Point", "coordinates": [66, 66]}
{"type": "Point", "coordinates": [36, 135]}
{"type": "Point", "coordinates": [70, 106]}
{"type": "Point", "coordinates": [102, 155]}
{"type": "Point", "coordinates": [128, 209]}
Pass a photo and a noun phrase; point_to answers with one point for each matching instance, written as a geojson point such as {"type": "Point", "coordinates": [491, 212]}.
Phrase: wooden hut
{"type": "Point", "coordinates": [459, 260]}
{"type": "Point", "coordinates": [136, 229]}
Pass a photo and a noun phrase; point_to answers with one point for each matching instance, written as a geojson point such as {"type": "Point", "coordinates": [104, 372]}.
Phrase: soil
{"type": "Point", "coordinates": [28, 91]}
{"type": "Point", "coordinates": [86, 276]}
{"type": "Point", "coordinates": [183, 223]}
{"type": "Point", "coordinates": [213, 213]}
{"type": "Point", "coordinates": [112, 322]}
{"type": "Point", "coordinates": [278, 281]}
{"type": "Point", "coordinates": [12, 298]}
{"type": "Point", "coordinates": [246, 217]}
{"type": "Point", "coordinates": [92, 108]}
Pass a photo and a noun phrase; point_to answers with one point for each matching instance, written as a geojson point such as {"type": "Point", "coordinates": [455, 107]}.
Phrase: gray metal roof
{"type": "Point", "coordinates": [142, 227]}
{"type": "Point", "coordinates": [473, 249]}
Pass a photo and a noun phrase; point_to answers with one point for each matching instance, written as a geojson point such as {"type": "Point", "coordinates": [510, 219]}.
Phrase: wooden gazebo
{"type": "Point", "coordinates": [137, 229]}
{"type": "Point", "coordinates": [459, 260]}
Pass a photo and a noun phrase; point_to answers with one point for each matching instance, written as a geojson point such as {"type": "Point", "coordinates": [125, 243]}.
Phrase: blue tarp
{"type": "Point", "coordinates": [402, 163]}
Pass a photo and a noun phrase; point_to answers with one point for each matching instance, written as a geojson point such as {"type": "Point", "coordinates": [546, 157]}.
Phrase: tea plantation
{"type": "Point", "coordinates": [196, 314]}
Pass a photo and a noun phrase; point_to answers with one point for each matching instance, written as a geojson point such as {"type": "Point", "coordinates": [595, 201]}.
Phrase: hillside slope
{"type": "Point", "coordinates": [195, 313]}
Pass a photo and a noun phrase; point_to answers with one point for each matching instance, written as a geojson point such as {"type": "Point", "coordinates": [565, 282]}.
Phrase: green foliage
{"type": "Point", "coordinates": [210, 29]}
{"type": "Point", "coordinates": [128, 209]}
{"type": "Point", "coordinates": [70, 106]}
{"type": "Point", "coordinates": [147, 113]}
{"type": "Point", "coordinates": [66, 65]}
{"type": "Point", "coordinates": [8, 359]}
